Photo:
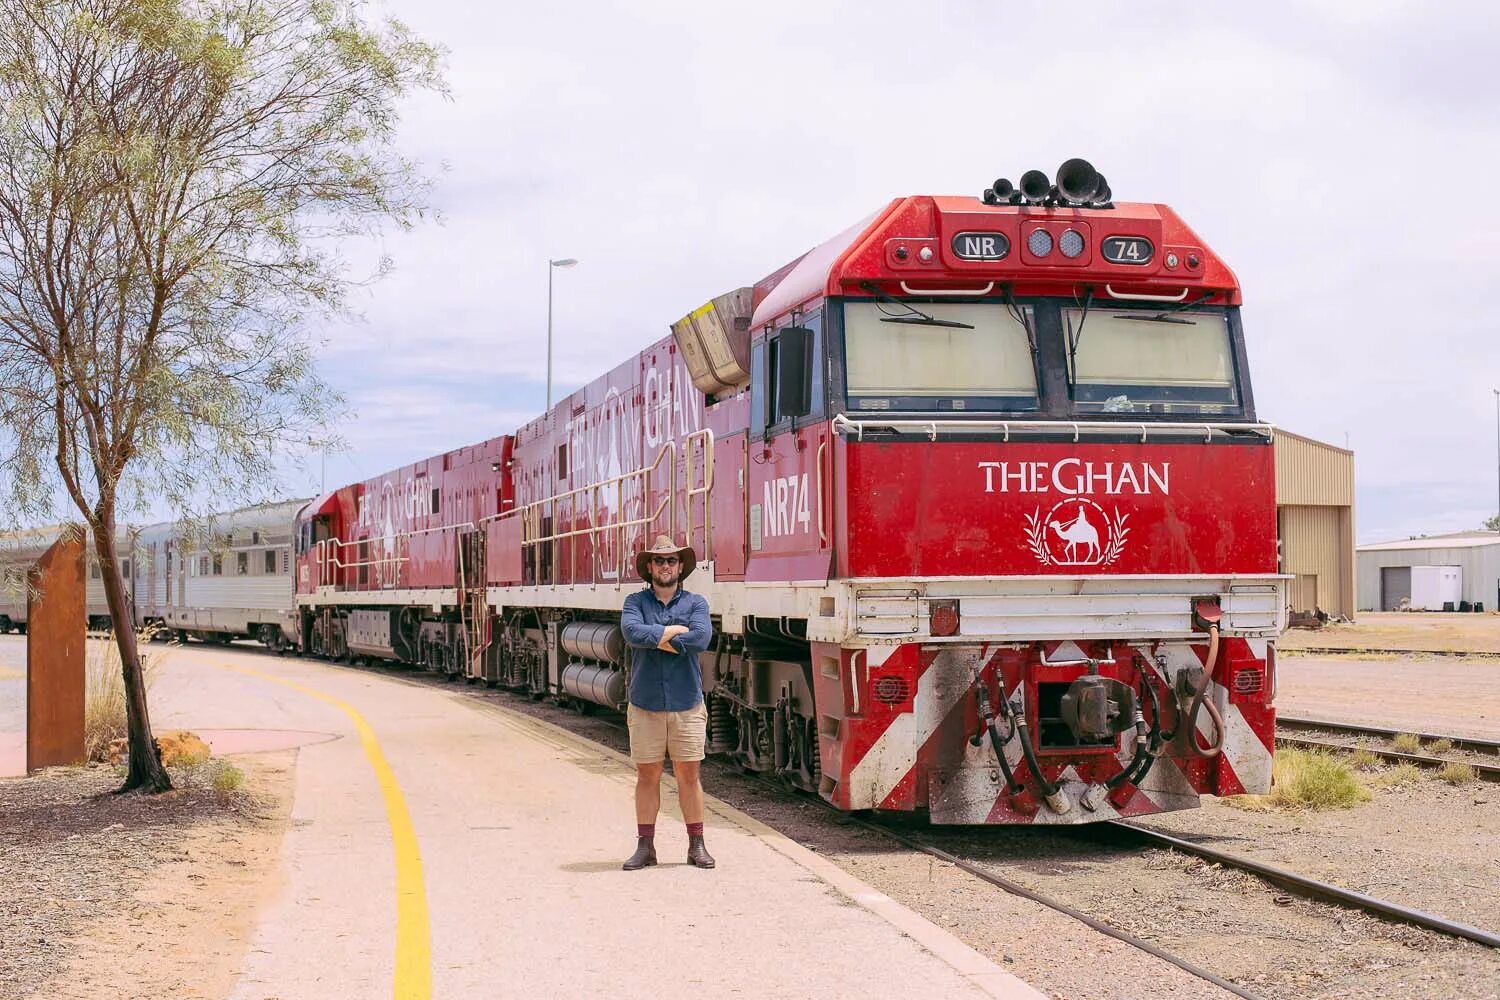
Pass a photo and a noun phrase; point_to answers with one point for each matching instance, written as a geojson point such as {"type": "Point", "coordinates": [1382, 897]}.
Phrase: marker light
{"type": "Point", "coordinates": [1071, 243]}
{"type": "Point", "coordinates": [1039, 243]}
{"type": "Point", "coordinates": [942, 618]}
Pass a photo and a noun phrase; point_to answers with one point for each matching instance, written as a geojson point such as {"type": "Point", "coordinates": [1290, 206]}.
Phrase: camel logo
{"type": "Point", "coordinates": [1076, 532]}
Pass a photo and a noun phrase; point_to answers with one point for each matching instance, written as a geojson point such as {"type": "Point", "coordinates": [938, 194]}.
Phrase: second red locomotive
{"type": "Point", "coordinates": [983, 512]}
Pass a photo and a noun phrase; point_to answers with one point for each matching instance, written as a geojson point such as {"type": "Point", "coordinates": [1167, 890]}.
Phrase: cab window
{"type": "Point", "coordinates": [1146, 361]}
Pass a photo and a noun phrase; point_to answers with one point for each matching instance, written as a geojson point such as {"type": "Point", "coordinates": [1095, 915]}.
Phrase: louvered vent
{"type": "Point", "coordinates": [1249, 680]}
{"type": "Point", "coordinates": [892, 690]}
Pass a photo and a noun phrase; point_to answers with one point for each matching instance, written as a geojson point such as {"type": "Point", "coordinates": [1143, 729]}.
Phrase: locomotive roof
{"type": "Point", "coordinates": [910, 245]}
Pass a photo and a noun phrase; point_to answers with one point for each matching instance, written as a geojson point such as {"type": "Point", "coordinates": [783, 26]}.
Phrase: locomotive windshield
{"type": "Point", "coordinates": [1150, 362]}
{"type": "Point", "coordinates": [980, 358]}
{"type": "Point", "coordinates": [1058, 357]}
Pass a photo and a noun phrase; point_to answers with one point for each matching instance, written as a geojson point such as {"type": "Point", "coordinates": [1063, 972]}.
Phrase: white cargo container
{"type": "Point", "coordinates": [1432, 587]}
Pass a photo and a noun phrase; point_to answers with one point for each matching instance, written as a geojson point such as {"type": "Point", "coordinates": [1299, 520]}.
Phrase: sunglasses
{"type": "Point", "coordinates": [665, 560]}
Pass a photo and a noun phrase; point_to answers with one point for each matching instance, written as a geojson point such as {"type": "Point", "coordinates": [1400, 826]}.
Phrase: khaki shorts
{"type": "Point", "coordinates": [680, 735]}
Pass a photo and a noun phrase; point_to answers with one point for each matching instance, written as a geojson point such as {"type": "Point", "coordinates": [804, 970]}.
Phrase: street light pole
{"type": "Point", "coordinates": [562, 262]}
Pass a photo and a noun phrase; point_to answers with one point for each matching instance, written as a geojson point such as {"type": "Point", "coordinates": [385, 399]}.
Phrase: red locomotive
{"type": "Point", "coordinates": [983, 511]}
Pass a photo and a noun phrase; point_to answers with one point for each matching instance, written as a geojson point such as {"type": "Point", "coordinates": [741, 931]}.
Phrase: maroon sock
{"type": "Point", "coordinates": [646, 831]}
{"type": "Point", "coordinates": [695, 829]}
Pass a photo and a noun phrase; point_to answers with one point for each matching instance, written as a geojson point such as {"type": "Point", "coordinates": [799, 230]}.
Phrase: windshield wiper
{"type": "Point", "coordinates": [1165, 316]}
{"type": "Point", "coordinates": [1158, 318]}
{"type": "Point", "coordinates": [913, 316]}
{"type": "Point", "coordinates": [922, 319]}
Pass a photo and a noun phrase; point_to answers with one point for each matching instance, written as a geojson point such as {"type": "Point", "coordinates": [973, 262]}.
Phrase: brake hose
{"type": "Point", "coordinates": [1050, 793]}
{"type": "Point", "coordinates": [1200, 701]}
{"type": "Point", "coordinates": [1148, 742]}
{"type": "Point", "coordinates": [1012, 787]}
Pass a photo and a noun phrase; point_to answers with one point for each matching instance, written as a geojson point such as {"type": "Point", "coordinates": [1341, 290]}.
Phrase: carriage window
{"type": "Point", "coordinates": [1149, 361]}
{"type": "Point", "coordinates": [973, 356]}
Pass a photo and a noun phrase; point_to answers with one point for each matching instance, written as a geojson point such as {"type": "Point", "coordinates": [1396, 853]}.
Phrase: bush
{"type": "Point", "coordinates": [1308, 779]}
{"type": "Point", "coordinates": [1316, 780]}
{"type": "Point", "coordinates": [1407, 742]}
{"type": "Point", "coordinates": [228, 778]}
{"type": "Point", "coordinates": [1440, 746]}
{"type": "Point", "coordinates": [1455, 773]}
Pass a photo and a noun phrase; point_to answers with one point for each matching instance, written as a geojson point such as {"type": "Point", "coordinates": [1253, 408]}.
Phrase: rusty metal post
{"type": "Point", "coordinates": [55, 656]}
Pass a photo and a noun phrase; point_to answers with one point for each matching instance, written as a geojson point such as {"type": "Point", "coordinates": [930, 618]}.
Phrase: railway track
{"type": "Point", "coordinates": [1474, 743]}
{"type": "Point", "coordinates": [1485, 772]}
{"type": "Point", "coordinates": [1310, 888]}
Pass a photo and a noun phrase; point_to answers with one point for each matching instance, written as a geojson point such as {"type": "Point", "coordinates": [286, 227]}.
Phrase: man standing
{"type": "Point", "coordinates": [667, 628]}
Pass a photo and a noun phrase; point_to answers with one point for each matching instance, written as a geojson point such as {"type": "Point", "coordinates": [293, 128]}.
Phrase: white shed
{"type": "Point", "coordinates": [1430, 572]}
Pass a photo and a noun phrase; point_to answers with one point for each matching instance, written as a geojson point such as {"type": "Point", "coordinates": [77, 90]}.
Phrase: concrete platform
{"type": "Point", "coordinates": [517, 832]}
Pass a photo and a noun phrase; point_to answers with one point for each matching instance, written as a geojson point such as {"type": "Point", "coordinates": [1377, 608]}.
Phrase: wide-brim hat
{"type": "Point", "coordinates": [664, 547]}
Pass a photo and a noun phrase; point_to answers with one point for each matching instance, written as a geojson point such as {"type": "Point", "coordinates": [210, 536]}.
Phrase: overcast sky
{"type": "Point", "coordinates": [1341, 156]}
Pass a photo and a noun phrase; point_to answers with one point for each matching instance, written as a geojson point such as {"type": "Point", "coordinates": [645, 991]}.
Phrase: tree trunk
{"type": "Point", "coordinates": [146, 771]}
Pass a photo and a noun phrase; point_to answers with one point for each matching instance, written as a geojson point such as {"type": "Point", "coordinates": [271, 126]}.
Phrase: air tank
{"type": "Point", "coordinates": [595, 682]}
{"type": "Point", "coordinates": [594, 641]}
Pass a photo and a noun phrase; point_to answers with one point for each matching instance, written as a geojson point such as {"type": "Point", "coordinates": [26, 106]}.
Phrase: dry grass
{"type": "Point", "coordinates": [1401, 775]}
{"type": "Point", "coordinates": [1440, 746]}
{"type": "Point", "coordinates": [1365, 760]}
{"type": "Point", "coordinates": [1407, 742]}
{"type": "Point", "coordinates": [104, 692]}
{"type": "Point", "coordinates": [1308, 779]}
{"type": "Point", "coordinates": [1455, 773]}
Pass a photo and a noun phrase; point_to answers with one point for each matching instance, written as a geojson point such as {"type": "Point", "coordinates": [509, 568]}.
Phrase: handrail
{"type": "Point", "coordinates": [1144, 296]}
{"type": "Point", "coordinates": [822, 534]}
{"type": "Point", "coordinates": [706, 437]}
{"type": "Point", "coordinates": [844, 424]}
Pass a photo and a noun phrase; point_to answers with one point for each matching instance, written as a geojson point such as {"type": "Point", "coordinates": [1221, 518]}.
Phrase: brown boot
{"type": "Point", "coordinates": [698, 855]}
{"type": "Point", "coordinates": [644, 856]}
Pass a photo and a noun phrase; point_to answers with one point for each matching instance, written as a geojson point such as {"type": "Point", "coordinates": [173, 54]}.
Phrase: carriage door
{"type": "Point", "coordinates": [790, 493]}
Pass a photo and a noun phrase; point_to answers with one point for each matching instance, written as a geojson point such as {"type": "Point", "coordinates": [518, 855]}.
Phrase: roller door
{"type": "Point", "coordinates": [1395, 587]}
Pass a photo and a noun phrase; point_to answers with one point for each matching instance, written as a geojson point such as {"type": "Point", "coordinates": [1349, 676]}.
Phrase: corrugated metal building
{"type": "Point", "coordinates": [1315, 522]}
{"type": "Point", "coordinates": [1385, 574]}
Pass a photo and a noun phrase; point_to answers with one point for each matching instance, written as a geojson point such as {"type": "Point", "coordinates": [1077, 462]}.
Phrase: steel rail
{"type": "Point", "coordinates": [1485, 772]}
{"type": "Point", "coordinates": [1354, 652]}
{"type": "Point", "coordinates": [1459, 742]}
{"type": "Point", "coordinates": [1311, 888]}
{"type": "Point", "coordinates": [1017, 889]}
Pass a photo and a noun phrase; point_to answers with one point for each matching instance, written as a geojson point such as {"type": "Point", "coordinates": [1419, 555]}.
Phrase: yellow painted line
{"type": "Point", "coordinates": [413, 929]}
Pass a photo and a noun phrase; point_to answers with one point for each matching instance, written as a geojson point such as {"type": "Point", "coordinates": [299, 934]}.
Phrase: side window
{"type": "Point", "coordinates": [759, 384]}
{"type": "Point", "coordinates": [786, 375]}
{"type": "Point", "coordinates": [813, 322]}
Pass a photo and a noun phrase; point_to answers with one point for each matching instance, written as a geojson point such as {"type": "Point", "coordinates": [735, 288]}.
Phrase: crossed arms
{"type": "Point", "coordinates": [692, 638]}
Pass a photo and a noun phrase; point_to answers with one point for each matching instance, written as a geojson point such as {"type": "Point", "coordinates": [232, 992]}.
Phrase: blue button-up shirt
{"type": "Point", "coordinates": [662, 681]}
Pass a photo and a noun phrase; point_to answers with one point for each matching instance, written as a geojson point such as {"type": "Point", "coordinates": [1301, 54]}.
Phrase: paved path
{"type": "Point", "coordinates": [1435, 694]}
{"type": "Point", "coordinates": [441, 839]}
{"type": "Point", "coordinates": [12, 705]}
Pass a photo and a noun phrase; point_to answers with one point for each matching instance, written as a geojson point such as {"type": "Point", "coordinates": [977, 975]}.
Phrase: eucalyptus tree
{"type": "Point", "coordinates": [176, 178]}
